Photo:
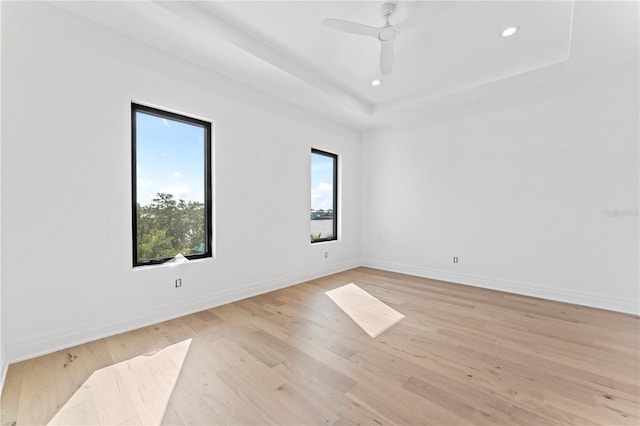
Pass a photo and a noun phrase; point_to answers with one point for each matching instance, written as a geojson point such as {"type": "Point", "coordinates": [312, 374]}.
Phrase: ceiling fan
{"type": "Point", "coordinates": [386, 34]}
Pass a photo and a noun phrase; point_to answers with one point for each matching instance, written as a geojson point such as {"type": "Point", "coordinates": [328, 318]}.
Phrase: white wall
{"type": "Point", "coordinates": [67, 87]}
{"type": "Point", "coordinates": [540, 198]}
{"type": "Point", "coordinates": [3, 362]}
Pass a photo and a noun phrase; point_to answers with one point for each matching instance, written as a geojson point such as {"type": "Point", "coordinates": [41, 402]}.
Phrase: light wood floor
{"type": "Point", "coordinates": [461, 356]}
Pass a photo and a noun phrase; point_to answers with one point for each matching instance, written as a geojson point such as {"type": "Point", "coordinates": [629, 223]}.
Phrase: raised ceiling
{"type": "Point", "coordinates": [453, 48]}
{"type": "Point", "coordinates": [447, 40]}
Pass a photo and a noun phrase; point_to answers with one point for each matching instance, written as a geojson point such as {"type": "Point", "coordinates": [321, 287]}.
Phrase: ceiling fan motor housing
{"type": "Point", "coordinates": [387, 9]}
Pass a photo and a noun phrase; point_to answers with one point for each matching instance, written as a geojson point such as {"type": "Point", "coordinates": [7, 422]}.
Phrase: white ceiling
{"type": "Point", "coordinates": [453, 51]}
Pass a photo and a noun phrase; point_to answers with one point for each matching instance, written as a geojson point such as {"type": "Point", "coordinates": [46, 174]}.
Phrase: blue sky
{"type": "Point", "coordinates": [321, 182]}
{"type": "Point", "coordinates": [170, 158]}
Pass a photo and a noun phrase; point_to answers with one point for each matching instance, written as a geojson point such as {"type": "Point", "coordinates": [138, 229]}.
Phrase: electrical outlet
{"type": "Point", "coordinates": [455, 259]}
{"type": "Point", "coordinates": [178, 282]}
{"type": "Point", "coordinates": [326, 254]}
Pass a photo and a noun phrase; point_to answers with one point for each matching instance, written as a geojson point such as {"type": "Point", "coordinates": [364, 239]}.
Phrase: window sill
{"type": "Point", "coordinates": [170, 265]}
{"type": "Point", "coordinates": [324, 242]}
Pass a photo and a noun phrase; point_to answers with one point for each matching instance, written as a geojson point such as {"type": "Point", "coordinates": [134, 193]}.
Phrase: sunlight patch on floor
{"type": "Point", "coordinates": [135, 391]}
{"type": "Point", "coordinates": [372, 315]}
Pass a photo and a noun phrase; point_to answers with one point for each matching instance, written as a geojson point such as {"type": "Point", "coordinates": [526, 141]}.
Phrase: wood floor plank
{"type": "Point", "coordinates": [38, 396]}
{"type": "Point", "coordinates": [462, 355]}
{"type": "Point", "coordinates": [10, 402]}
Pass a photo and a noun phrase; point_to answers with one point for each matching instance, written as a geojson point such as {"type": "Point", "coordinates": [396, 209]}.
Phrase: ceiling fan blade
{"type": "Point", "coordinates": [386, 57]}
{"type": "Point", "coordinates": [351, 27]}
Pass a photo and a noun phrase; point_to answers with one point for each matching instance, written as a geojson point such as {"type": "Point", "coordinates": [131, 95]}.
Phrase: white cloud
{"type": "Point", "coordinates": [176, 175]}
{"type": "Point", "coordinates": [144, 183]}
{"type": "Point", "coordinates": [166, 123]}
{"type": "Point", "coordinates": [177, 191]}
{"type": "Point", "coordinates": [322, 196]}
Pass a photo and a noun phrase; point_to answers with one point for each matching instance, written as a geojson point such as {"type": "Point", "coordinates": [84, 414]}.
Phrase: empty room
{"type": "Point", "coordinates": [319, 212]}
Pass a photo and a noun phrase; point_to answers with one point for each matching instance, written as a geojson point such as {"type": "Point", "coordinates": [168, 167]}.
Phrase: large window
{"type": "Point", "coordinates": [324, 196]}
{"type": "Point", "coordinates": [171, 186]}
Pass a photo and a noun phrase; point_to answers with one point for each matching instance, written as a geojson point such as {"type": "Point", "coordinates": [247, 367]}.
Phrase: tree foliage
{"type": "Point", "coordinates": [167, 227]}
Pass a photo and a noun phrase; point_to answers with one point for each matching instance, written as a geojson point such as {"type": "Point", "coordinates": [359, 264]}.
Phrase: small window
{"type": "Point", "coordinates": [171, 186]}
{"type": "Point", "coordinates": [324, 196]}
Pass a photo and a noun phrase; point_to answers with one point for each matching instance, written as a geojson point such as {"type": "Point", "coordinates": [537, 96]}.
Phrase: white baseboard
{"type": "Point", "coordinates": [602, 301]}
{"type": "Point", "coordinates": [49, 342]}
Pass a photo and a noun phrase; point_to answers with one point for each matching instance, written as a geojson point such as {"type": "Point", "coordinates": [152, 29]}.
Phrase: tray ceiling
{"type": "Point", "coordinates": [453, 47]}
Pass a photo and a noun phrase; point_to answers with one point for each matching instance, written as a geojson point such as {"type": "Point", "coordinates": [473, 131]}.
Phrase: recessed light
{"type": "Point", "coordinates": [509, 31]}
{"type": "Point", "coordinates": [375, 82]}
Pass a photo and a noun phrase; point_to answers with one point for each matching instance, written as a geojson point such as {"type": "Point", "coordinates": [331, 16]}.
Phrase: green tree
{"type": "Point", "coordinates": [167, 227]}
{"type": "Point", "coordinates": [154, 244]}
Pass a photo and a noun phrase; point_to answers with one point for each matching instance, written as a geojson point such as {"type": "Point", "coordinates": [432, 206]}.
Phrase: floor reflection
{"type": "Point", "coordinates": [135, 391]}
{"type": "Point", "coordinates": [372, 315]}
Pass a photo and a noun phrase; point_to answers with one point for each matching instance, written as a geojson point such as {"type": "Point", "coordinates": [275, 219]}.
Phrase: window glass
{"type": "Point", "coordinates": [171, 186]}
{"type": "Point", "coordinates": [324, 205]}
